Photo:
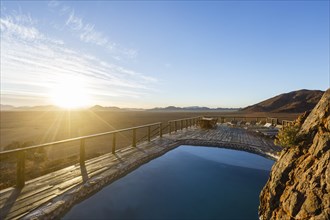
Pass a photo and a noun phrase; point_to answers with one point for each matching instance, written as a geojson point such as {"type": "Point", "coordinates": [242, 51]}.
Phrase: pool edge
{"type": "Point", "coordinates": [61, 204]}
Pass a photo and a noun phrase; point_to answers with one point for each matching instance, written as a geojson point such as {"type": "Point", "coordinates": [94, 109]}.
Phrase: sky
{"type": "Point", "coordinates": [146, 54]}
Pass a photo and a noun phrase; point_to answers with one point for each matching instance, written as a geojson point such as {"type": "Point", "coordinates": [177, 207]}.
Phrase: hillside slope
{"type": "Point", "coordinates": [292, 102]}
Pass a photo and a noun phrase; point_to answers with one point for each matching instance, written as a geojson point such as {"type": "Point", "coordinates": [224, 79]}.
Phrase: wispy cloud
{"type": "Point", "coordinates": [87, 32]}
{"type": "Point", "coordinates": [20, 26]}
{"type": "Point", "coordinates": [90, 35]}
{"type": "Point", "coordinates": [32, 63]}
{"type": "Point", "coordinates": [74, 22]}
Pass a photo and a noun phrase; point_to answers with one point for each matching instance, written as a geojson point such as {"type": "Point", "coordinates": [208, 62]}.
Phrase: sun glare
{"type": "Point", "coordinates": [70, 93]}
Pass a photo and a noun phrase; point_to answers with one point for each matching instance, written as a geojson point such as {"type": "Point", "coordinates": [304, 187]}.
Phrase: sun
{"type": "Point", "coordinates": [70, 93]}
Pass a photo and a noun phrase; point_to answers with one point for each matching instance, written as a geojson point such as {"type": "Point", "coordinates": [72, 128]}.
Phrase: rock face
{"type": "Point", "coordinates": [299, 183]}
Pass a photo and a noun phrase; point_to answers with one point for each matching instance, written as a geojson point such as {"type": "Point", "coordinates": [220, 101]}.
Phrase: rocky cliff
{"type": "Point", "coordinates": [299, 183]}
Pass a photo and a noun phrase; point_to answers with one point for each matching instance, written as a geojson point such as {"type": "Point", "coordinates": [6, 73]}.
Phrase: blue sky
{"type": "Point", "coordinates": [147, 54]}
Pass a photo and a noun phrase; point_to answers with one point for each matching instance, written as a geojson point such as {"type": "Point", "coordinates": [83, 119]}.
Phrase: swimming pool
{"type": "Point", "coordinates": [188, 182]}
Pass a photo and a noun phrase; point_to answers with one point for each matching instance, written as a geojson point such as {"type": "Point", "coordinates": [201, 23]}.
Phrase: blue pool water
{"type": "Point", "coordinates": [188, 182]}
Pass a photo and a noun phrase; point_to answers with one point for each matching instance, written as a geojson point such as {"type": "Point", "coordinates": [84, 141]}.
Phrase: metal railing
{"type": "Point", "coordinates": [286, 123]}
{"type": "Point", "coordinates": [21, 152]}
{"type": "Point", "coordinates": [152, 130]}
{"type": "Point", "coordinates": [180, 124]}
{"type": "Point", "coordinates": [273, 121]}
{"type": "Point", "coordinates": [223, 119]}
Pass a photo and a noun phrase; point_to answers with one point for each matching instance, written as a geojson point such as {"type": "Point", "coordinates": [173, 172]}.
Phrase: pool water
{"type": "Point", "coordinates": [188, 182]}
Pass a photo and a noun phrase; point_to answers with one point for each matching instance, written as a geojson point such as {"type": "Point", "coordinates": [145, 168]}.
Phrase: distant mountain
{"type": "Point", "coordinates": [292, 102]}
{"type": "Point", "coordinates": [29, 108]}
{"type": "Point", "coordinates": [39, 108]}
{"type": "Point", "coordinates": [102, 108]}
{"type": "Point", "coordinates": [6, 107]}
{"type": "Point", "coordinates": [192, 108]}
{"type": "Point", "coordinates": [113, 108]}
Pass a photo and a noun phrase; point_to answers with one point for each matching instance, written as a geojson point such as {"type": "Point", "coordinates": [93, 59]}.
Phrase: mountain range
{"type": "Point", "coordinates": [292, 102]}
{"type": "Point", "coordinates": [192, 108]}
{"type": "Point", "coordinates": [29, 108]}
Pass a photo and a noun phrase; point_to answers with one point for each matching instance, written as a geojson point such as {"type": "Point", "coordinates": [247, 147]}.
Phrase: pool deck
{"type": "Point", "coordinates": [51, 195]}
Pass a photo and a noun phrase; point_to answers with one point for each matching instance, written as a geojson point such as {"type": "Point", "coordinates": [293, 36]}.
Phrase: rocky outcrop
{"type": "Point", "coordinates": [299, 183]}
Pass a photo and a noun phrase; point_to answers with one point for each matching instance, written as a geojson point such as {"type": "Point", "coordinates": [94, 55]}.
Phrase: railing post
{"type": "Point", "coordinates": [169, 127]}
{"type": "Point", "coordinates": [82, 152]}
{"type": "Point", "coordinates": [20, 179]}
{"type": "Point", "coordinates": [160, 130]}
{"type": "Point", "coordinates": [113, 143]}
{"type": "Point", "coordinates": [148, 133]}
{"type": "Point", "coordinates": [175, 127]}
{"type": "Point", "coordinates": [134, 138]}
{"type": "Point", "coordinates": [181, 125]}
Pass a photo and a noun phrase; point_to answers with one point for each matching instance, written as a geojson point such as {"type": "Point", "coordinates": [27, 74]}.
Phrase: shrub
{"type": "Point", "coordinates": [287, 136]}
